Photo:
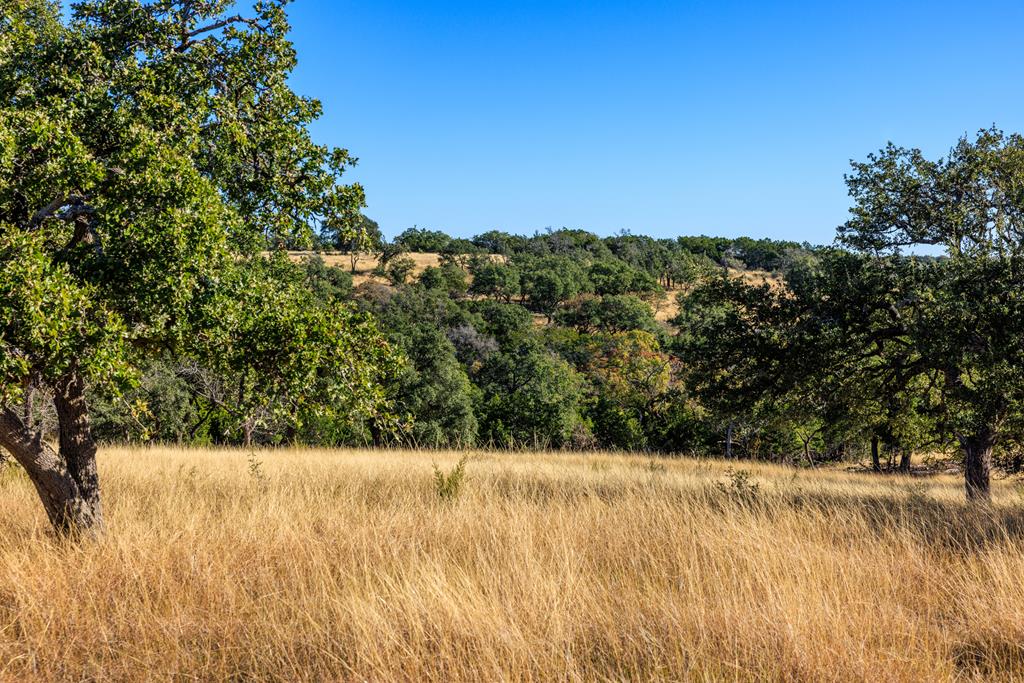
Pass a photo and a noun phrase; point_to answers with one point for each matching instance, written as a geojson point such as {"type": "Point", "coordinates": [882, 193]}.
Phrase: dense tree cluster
{"type": "Point", "coordinates": [551, 341]}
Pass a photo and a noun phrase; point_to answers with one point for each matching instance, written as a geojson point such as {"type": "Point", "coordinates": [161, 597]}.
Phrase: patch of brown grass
{"type": "Point", "coordinates": [367, 262]}
{"type": "Point", "coordinates": [668, 308]}
{"type": "Point", "coordinates": [347, 565]}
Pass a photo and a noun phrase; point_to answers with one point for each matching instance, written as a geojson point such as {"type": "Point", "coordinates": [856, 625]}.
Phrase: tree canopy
{"type": "Point", "coordinates": [150, 153]}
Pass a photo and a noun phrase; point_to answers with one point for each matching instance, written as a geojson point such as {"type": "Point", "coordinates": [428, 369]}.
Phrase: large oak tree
{"type": "Point", "coordinates": [941, 334]}
{"type": "Point", "coordinates": [149, 152]}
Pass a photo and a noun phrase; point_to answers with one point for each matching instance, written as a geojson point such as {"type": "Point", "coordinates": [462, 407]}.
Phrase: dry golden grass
{"type": "Point", "coordinates": [668, 309]}
{"type": "Point", "coordinates": [345, 565]}
{"type": "Point", "coordinates": [367, 262]}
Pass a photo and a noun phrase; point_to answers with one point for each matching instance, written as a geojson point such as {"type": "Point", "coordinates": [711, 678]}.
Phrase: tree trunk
{"type": "Point", "coordinates": [876, 463]}
{"type": "Point", "coordinates": [66, 480]}
{"type": "Point", "coordinates": [728, 440]}
{"type": "Point", "coordinates": [77, 448]}
{"type": "Point", "coordinates": [978, 465]}
{"type": "Point", "coordinates": [905, 456]}
{"type": "Point", "coordinates": [807, 453]}
{"type": "Point", "coordinates": [70, 510]}
{"type": "Point", "coordinates": [247, 431]}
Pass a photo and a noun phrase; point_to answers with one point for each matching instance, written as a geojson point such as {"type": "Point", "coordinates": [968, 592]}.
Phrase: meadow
{"type": "Point", "coordinates": [361, 565]}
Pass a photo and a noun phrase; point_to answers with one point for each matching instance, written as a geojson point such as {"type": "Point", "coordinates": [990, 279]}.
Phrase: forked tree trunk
{"type": "Point", "coordinates": [66, 480]}
{"type": "Point", "coordinates": [978, 466]}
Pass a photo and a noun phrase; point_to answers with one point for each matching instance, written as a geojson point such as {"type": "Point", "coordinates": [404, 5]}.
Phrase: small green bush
{"type": "Point", "coordinates": [447, 486]}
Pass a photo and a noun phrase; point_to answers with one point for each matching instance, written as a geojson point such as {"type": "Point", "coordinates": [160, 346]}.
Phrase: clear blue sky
{"type": "Point", "coordinates": [664, 118]}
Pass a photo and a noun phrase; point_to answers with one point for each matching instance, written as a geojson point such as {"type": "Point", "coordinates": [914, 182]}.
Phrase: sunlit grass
{"type": "Point", "coordinates": [348, 565]}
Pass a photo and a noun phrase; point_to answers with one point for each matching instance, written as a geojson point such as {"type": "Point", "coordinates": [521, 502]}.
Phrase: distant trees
{"type": "Point", "coordinates": [530, 398]}
{"type": "Point", "coordinates": [496, 280]}
{"type": "Point", "coordinates": [611, 276]}
{"type": "Point", "coordinates": [422, 240]}
{"type": "Point", "coordinates": [548, 281]}
{"type": "Point", "coordinates": [399, 269]}
{"type": "Point", "coordinates": [498, 242]}
{"type": "Point", "coordinates": [616, 313]}
{"type": "Point", "coordinates": [354, 235]}
{"type": "Point", "coordinates": [448, 277]}
{"type": "Point", "coordinates": [433, 394]}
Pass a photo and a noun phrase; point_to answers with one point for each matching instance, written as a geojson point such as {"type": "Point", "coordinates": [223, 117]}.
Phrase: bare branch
{"type": "Point", "coordinates": [188, 39]}
{"type": "Point", "coordinates": [48, 210]}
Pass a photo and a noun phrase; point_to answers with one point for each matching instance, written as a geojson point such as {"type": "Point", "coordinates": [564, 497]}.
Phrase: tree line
{"type": "Point", "coordinates": [548, 341]}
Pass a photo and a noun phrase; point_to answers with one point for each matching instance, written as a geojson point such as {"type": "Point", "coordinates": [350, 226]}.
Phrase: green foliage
{"type": "Point", "coordinates": [509, 324]}
{"type": "Point", "coordinates": [496, 280]}
{"type": "Point", "coordinates": [551, 280]}
{"type": "Point", "coordinates": [498, 242]}
{"type": "Point", "coordinates": [530, 398]}
{"type": "Point", "coordinates": [616, 313]}
{"type": "Point", "coordinates": [275, 349]}
{"type": "Point", "coordinates": [433, 389]}
{"type": "Point", "coordinates": [423, 240]}
{"type": "Point", "coordinates": [327, 283]}
{"type": "Point", "coordinates": [448, 486]}
{"type": "Point", "coordinates": [352, 233]}
{"type": "Point", "coordinates": [448, 278]}
{"type": "Point", "coordinates": [399, 270]}
{"type": "Point", "coordinates": [615, 277]}
{"type": "Point", "coordinates": [160, 151]}
{"type": "Point", "coordinates": [386, 253]}
{"type": "Point", "coordinates": [160, 408]}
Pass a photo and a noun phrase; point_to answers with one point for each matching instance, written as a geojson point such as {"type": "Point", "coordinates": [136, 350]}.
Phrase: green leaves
{"type": "Point", "coordinates": [970, 202]}
{"type": "Point", "coordinates": [50, 323]}
{"type": "Point", "coordinates": [149, 153]}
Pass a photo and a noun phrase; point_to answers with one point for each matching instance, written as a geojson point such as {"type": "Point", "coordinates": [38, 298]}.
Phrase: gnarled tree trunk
{"type": "Point", "coordinates": [66, 480]}
{"type": "Point", "coordinates": [978, 465]}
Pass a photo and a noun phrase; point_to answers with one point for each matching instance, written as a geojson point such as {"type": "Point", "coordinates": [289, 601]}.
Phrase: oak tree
{"type": "Point", "coordinates": [149, 152]}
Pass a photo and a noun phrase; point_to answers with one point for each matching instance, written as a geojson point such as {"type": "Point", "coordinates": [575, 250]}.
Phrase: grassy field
{"type": "Point", "coordinates": [347, 565]}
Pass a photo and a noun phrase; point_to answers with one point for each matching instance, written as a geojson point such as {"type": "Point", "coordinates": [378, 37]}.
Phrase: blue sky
{"type": "Point", "coordinates": [663, 118]}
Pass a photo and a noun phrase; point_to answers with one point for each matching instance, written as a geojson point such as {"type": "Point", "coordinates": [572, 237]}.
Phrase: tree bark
{"type": "Point", "coordinates": [77, 447]}
{"type": "Point", "coordinates": [66, 480]}
{"type": "Point", "coordinates": [807, 452]}
{"type": "Point", "coordinates": [905, 459]}
{"type": "Point", "coordinates": [247, 431]}
{"type": "Point", "coordinates": [876, 463]}
{"type": "Point", "coordinates": [978, 466]}
{"type": "Point", "coordinates": [68, 510]}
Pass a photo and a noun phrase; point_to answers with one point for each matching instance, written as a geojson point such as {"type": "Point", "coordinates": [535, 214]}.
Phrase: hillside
{"type": "Point", "coordinates": [666, 309]}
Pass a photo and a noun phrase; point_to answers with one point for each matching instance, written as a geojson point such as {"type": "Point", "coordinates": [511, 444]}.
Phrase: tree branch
{"type": "Point", "coordinates": [187, 39]}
